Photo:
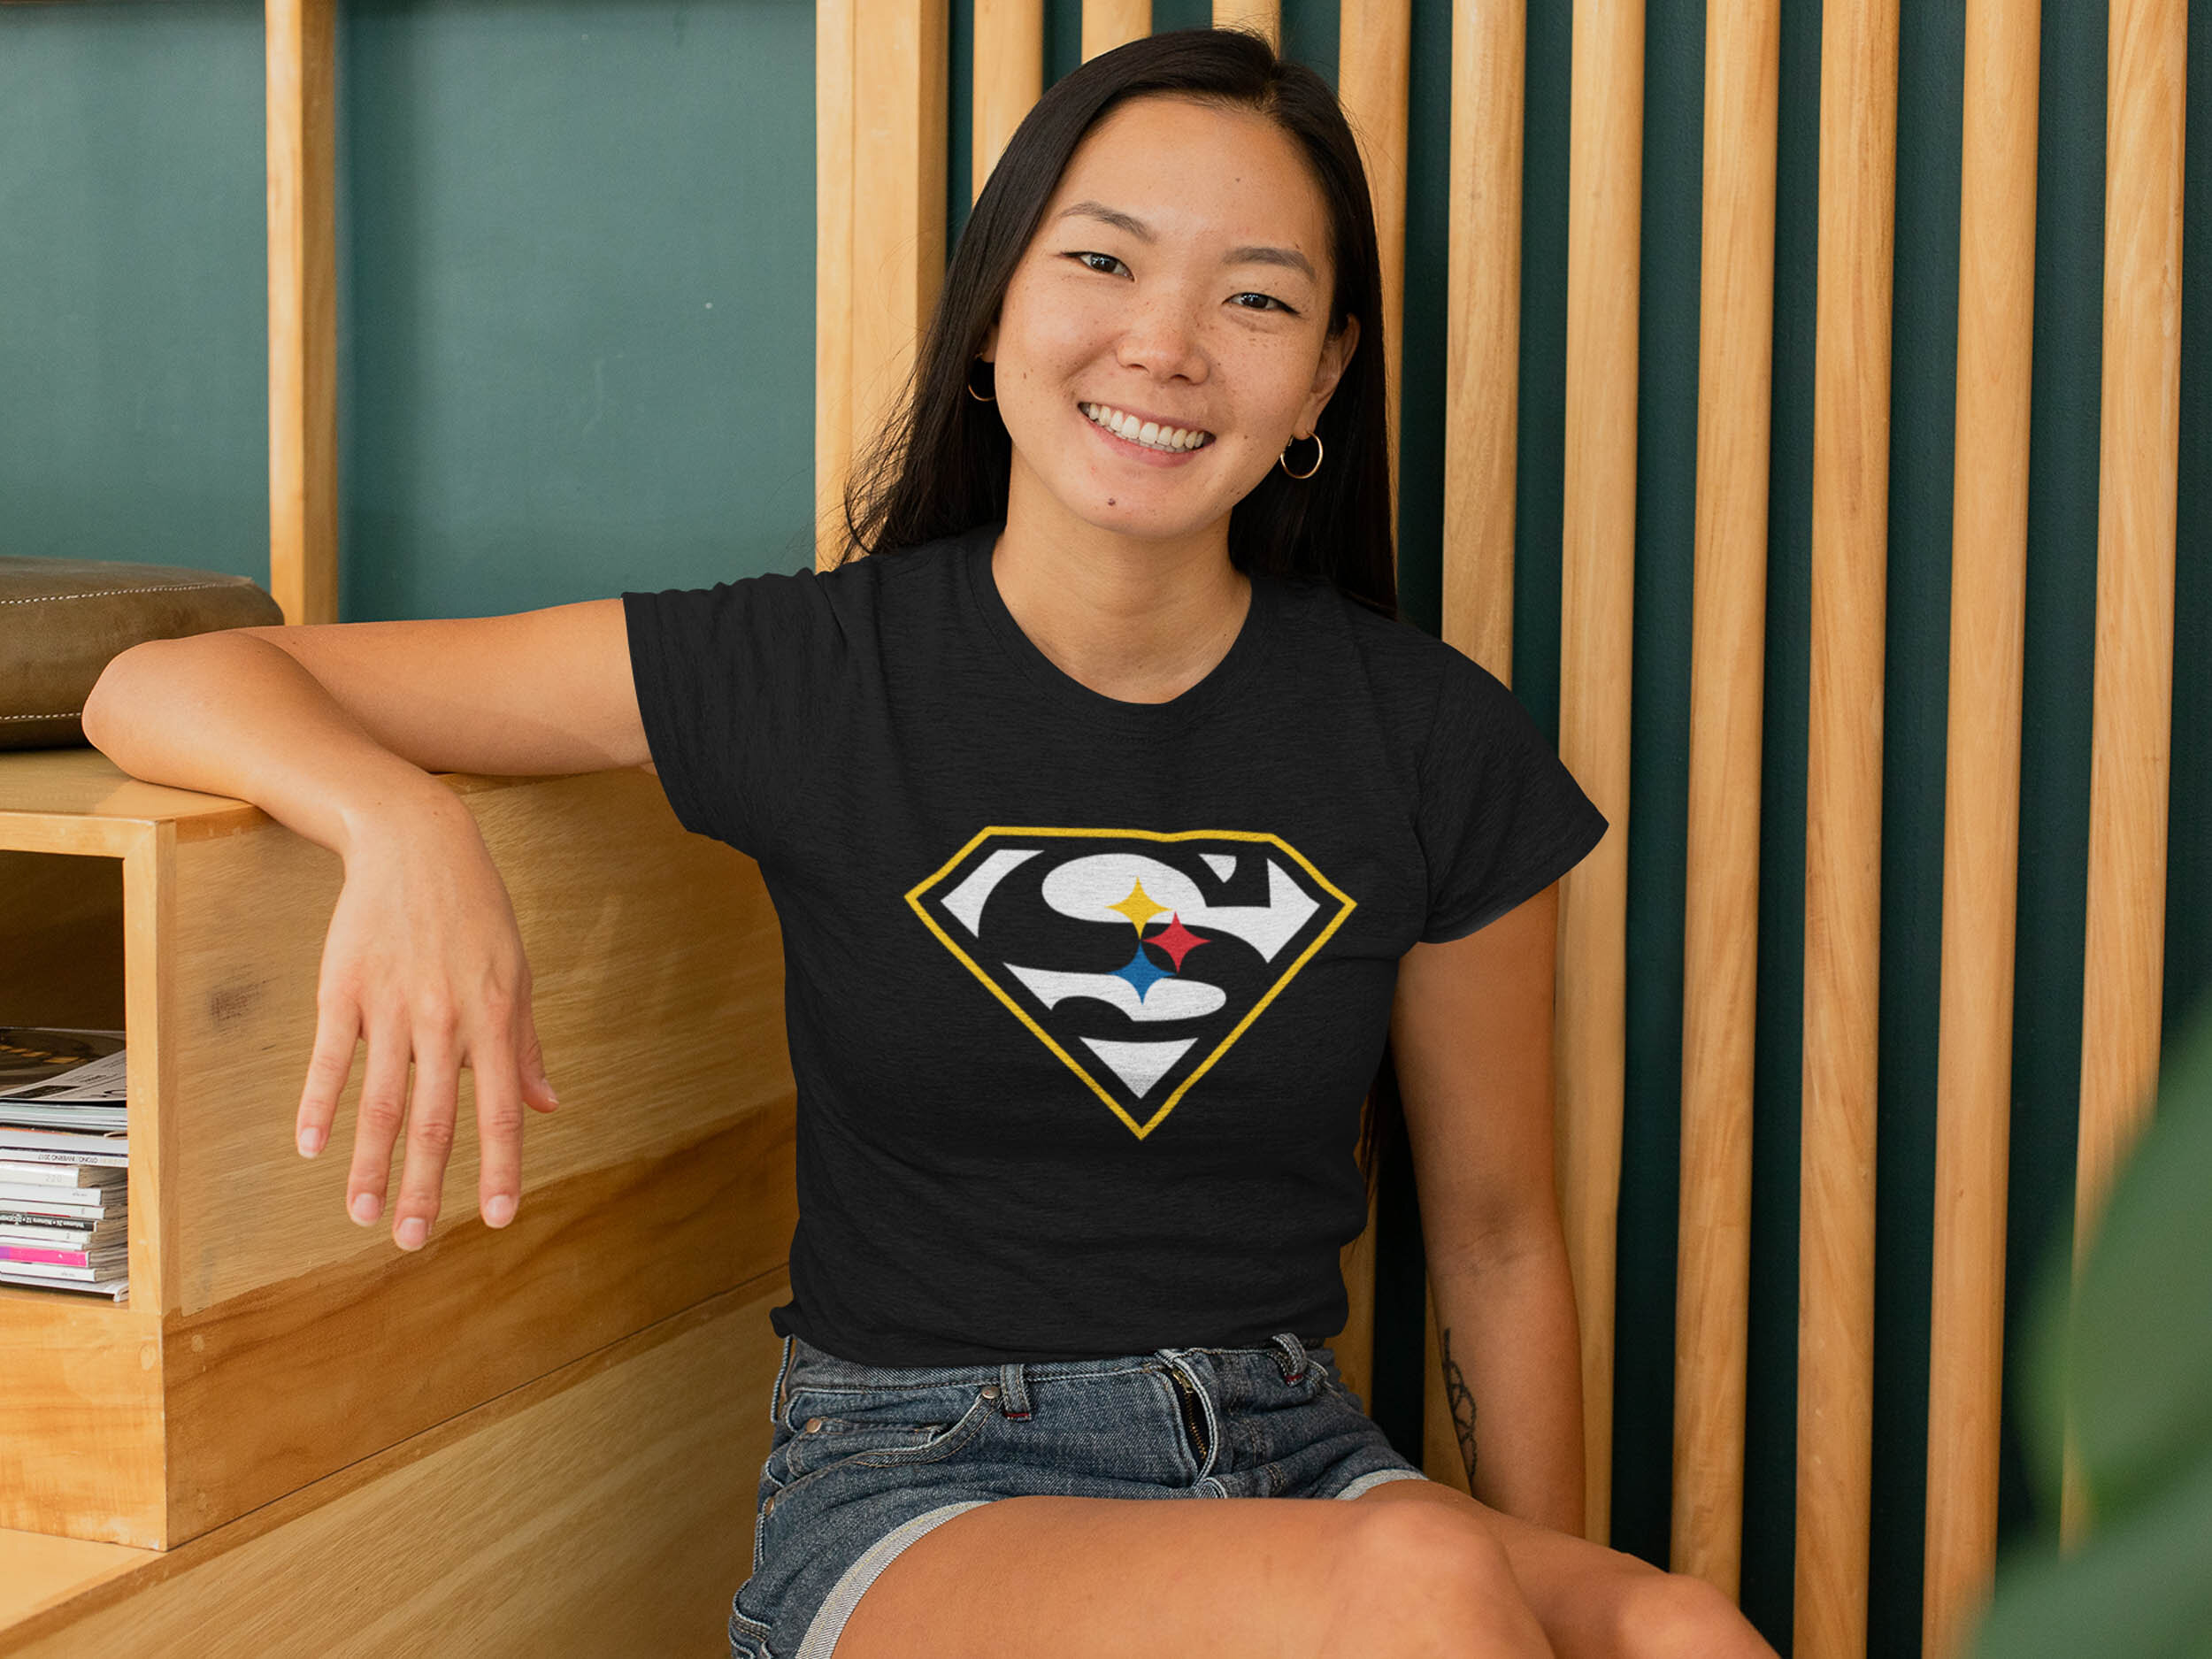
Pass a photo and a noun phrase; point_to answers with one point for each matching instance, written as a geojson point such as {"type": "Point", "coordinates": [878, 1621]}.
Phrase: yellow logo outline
{"type": "Point", "coordinates": [914, 901]}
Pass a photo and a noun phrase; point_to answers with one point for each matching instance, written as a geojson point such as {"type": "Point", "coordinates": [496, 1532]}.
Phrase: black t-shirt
{"type": "Point", "coordinates": [1083, 996]}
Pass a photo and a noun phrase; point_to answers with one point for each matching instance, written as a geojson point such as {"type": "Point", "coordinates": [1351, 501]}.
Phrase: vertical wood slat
{"type": "Point", "coordinates": [1981, 820]}
{"type": "Point", "coordinates": [1483, 328]}
{"type": "Point", "coordinates": [1110, 23]}
{"type": "Point", "coordinates": [881, 78]}
{"type": "Point", "coordinates": [2132, 727]}
{"type": "Point", "coordinates": [1010, 77]}
{"type": "Point", "coordinates": [1265, 16]}
{"type": "Point", "coordinates": [1735, 357]}
{"type": "Point", "coordinates": [1374, 64]}
{"type": "Point", "coordinates": [1597, 601]}
{"type": "Point", "coordinates": [1843, 826]}
{"type": "Point", "coordinates": [833, 269]}
{"type": "Point", "coordinates": [300, 49]}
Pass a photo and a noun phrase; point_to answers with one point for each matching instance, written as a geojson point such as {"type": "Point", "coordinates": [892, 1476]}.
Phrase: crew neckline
{"type": "Point", "coordinates": [1072, 695]}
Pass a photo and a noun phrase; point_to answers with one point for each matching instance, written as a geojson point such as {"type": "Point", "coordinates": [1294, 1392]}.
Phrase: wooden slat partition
{"type": "Point", "coordinates": [300, 52]}
{"type": "Point", "coordinates": [1981, 820]}
{"type": "Point", "coordinates": [1374, 63]}
{"type": "Point", "coordinates": [1266, 15]}
{"type": "Point", "coordinates": [1483, 328]}
{"type": "Point", "coordinates": [2132, 727]}
{"type": "Point", "coordinates": [881, 111]}
{"type": "Point", "coordinates": [1843, 826]}
{"type": "Point", "coordinates": [1596, 640]}
{"type": "Point", "coordinates": [1010, 77]}
{"type": "Point", "coordinates": [1728, 674]}
{"type": "Point", "coordinates": [1110, 23]}
{"type": "Point", "coordinates": [833, 269]}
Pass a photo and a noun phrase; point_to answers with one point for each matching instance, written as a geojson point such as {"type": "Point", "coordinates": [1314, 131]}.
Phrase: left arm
{"type": "Point", "coordinates": [1472, 1031]}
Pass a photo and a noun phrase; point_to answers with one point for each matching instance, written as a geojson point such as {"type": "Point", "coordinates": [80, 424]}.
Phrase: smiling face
{"type": "Point", "coordinates": [1180, 277]}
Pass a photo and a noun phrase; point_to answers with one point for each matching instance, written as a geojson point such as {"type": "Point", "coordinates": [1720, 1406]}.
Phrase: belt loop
{"type": "Point", "coordinates": [775, 1402]}
{"type": "Point", "coordinates": [1295, 1351]}
{"type": "Point", "coordinates": [1013, 1390]}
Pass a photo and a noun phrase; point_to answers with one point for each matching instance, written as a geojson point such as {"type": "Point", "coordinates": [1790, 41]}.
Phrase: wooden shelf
{"type": "Point", "coordinates": [267, 1341]}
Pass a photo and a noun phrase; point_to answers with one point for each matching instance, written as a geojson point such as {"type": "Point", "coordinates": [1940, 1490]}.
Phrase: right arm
{"type": "Point", "coordinates": [335, 731]}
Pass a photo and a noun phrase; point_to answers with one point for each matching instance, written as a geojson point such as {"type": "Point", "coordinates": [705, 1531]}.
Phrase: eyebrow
{"type": "Point", "coordinates": [1289, 259]}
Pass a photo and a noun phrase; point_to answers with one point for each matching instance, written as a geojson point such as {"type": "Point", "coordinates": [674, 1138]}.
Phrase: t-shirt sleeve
{"type": "Point", "coordinates": [1500, 816]}
{"type": "Point", "coordinates": [731, 681]}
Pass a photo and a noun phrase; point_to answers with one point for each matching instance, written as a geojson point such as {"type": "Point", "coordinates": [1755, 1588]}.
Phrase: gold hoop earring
{"type": "Point", "coordinates": [979, 396]}
{"type": "Point", "coordinates": [1318, 452]}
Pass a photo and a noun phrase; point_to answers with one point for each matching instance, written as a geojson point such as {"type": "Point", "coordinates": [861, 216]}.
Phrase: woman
{"type": "Point", "coordinates": [1114, 824]}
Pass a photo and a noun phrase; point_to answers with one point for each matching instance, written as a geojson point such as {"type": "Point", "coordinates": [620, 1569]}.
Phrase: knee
{"type": "Point", "coordinates": [1673, 1616]}
{"type": "Point", "coordinates": [1427, 1580]}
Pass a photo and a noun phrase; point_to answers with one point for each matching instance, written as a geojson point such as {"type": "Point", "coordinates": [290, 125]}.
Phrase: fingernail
{"type": "Point", "coordinates": [310, 1142]}
{"type": "Point", "coordinates": [412, 1231]}
{"type": "Point", "coordinates": [549, 1094]}
{"type": "Point", "coordinates": [365, 1208]}
{"type": "Point", "coordinates": [499, 1211]}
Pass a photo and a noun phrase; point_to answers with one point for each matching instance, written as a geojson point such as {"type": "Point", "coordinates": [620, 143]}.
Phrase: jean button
{"type": "Point", "coordinates": [990, 1391]}
{"type": "Point", "coordinates": [813, 1426]}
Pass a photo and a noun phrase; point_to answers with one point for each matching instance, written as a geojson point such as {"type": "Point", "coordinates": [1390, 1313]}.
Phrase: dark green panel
{"type": "Point", "coordinates": [1540, 423]}
{"type": "Point", "coordinates": [1421, 378]}
{"type": "Point", "coordinates": [2189, 817]}
{"type": "Point", "coordinates": [1658, 811]}
{"type": "Point", "coordinates": [959, 125]}
{"type": "Point", "coordinates": [2059, 673]}
{"type": "Point", "coordinates": [1770, 1525]}
{"type": "Point", "coordinates": [133, 365]}
{"type": "Point", "coordinates": [578, 267]}
{"type": "Point", "coordinates": [1182, 14]}
{"type": "Point", "coordinates": [1064, 38]}
{"type": "Point", "coordinates": [1915, 743]}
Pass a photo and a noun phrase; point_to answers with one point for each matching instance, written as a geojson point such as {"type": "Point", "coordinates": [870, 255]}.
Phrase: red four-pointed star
{"type": "Point", "coordinates": [1177, 941]}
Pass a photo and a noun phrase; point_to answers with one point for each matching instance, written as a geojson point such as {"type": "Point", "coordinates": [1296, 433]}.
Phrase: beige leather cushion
{"type": "Point", "coordinates": [62, 620]}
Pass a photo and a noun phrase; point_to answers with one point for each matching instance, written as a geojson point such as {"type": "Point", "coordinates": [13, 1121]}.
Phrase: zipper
{"type": "Point", "coordinates": [1194, 1413]}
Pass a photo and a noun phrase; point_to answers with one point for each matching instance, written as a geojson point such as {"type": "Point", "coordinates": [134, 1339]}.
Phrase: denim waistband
{"type": "Point", "coordinates": [1285, 1349]}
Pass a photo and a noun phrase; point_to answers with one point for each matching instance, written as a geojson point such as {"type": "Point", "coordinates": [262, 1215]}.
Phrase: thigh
{"type": "Point", "coordinates": [1235, 1578]}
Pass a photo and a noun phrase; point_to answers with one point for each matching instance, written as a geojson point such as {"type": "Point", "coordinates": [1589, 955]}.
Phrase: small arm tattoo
{"type": "Point", "coordinates": [1462, 1401]}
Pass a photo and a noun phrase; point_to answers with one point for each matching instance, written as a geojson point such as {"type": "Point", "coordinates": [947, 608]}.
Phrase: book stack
{"type": "Point", "coordinates": [64, 1159]}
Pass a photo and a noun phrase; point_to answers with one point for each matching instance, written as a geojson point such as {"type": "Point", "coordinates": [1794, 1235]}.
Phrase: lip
{"type": "Point", "coordinates": [1138, 451]}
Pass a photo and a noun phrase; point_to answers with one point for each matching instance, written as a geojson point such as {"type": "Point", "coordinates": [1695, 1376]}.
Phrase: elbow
{"type": "Point", "coordinates": [97, 716]}
{"type": "Point", "coordinates": [105, 718]}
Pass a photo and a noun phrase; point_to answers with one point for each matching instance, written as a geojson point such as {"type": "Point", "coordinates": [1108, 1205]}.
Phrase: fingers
{"type": "Point", "coordinates": [430, 1111]}
{"type": "Point", "coordinates": [337, 1031]}
{"type": "Point", "coordinates": [537, 1089]}
{"type": "Point", "coordinates": [498, 1131]}
{"type": "Point", "coordinates": [383, 1108]}
{"type": "Point", "coordinates": [509, 1067]}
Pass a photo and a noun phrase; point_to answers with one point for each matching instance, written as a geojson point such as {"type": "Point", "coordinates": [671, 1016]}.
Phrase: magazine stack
{"type": "Point", "coordinates": [64, 1160]}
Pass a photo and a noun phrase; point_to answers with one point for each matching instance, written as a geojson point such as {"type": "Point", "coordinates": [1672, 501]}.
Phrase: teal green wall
{"type": "Point", "coordinates": [576, 277]}
{"type": "Point", "coordinates": [579, 347]}
{"type": "Point", "coordinates": [133, 275]}
{"type": "Point", "coordinates": [576, 262]}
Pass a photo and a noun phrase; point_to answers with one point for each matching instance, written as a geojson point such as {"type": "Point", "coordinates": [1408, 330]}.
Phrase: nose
{"type": "Point", "coordinates": [1162, 338]}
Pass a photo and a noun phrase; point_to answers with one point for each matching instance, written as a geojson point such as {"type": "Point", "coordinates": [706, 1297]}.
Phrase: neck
{"type": "Point", "coordinates": [1135, 619]}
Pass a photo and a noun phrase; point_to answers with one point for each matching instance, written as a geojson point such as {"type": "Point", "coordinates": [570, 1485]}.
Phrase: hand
{"type": "Point", "coordinates": [423, 961]}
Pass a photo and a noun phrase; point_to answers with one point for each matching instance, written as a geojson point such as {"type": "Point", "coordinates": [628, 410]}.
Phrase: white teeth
{"type": "Point", "coordinates": [1148, 433]}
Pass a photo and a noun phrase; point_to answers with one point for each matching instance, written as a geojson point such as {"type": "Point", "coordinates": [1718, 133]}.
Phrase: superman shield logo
{"type": "Point", "coordinates": [1138, 957]}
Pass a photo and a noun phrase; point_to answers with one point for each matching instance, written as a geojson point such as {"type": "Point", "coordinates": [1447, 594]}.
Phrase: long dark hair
{"type": "Point", "coordinates": [939, 464]}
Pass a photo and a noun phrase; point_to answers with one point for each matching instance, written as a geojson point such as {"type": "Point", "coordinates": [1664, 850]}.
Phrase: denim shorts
{"type": "Point", "coordinates": [866, 1459]}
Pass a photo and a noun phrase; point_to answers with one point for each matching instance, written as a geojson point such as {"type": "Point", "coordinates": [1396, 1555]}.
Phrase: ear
{"type": "Point", "coordinates": [1336, 354]}
{"type": "Point", "coordinates": [989, 351]}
